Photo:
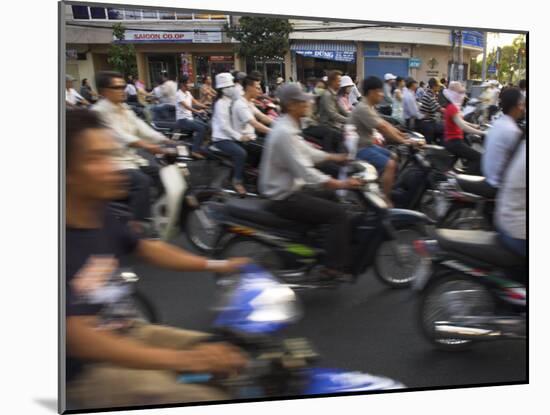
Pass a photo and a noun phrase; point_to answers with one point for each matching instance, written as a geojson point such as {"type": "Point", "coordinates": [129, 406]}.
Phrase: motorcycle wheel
{"type": "Point", "coordinates": [399, 273]}
{"type": "Point", "coordinates": [466, 218]}
{"type": "Point", "coordinates": [146, 312]}
{"type": "Point", "coordinates": [446, 299]}
{"type": "Point", "coordinates": [260, 253]}
{"type": "Point", "coordinates": [196, 230]}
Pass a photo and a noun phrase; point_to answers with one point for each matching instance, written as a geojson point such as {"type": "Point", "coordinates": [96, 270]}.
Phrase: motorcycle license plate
{"type": "Point", "coordinates": [441, 205]}
{"type": "Point", "coordinates": [422, 274]}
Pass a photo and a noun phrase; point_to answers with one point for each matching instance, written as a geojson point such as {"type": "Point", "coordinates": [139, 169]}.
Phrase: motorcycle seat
{"type": "Point", "coordinates": [481, 245]}
{"type": "Point", "coordinates": [476, 185]}
{"type": "Point", "coordinates": [166, 125]}
{"type": "Point", "coordinates": [257, 211]}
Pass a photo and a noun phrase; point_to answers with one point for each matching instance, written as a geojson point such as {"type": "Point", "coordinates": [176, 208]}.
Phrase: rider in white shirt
{"type": "Point", "coordinates": [186, 106]}
{"type": "Point", "coordinates": [504, 137]}
{"type": "Point", "coordinates": [73, 98]}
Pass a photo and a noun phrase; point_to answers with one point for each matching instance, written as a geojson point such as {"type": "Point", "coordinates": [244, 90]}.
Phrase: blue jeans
{"type": "Point", "coordinates": [519, 246]}
{"type": "Point", "coordinates": [375, 155]}
{"type": "Point", "coordinates": [238, 156]}
{"type": "Point", "coordinates": [199, 131]}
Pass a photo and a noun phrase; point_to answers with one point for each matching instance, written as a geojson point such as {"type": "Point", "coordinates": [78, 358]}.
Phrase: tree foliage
{"type": "Point", "coordinates": [512, 65]}
{"type": "Point", "coordinates": [122, 57]}
{"type": "Point", "coordinates": [261, 38]}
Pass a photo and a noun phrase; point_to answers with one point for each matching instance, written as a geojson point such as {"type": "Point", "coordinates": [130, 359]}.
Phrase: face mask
{"type": "Point", "coordinates": [229, 92]}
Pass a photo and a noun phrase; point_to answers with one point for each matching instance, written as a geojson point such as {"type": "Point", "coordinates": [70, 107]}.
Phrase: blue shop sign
{"type": "Point", "coordinates": [471, 38]}
{"type": "Point", "coordinates": [328, 54]}
{"type": "Point", "coordinates": [415, 62]}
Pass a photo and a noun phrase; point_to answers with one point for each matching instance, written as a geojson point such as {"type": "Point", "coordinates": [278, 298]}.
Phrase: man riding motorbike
{"type": "Point", "coordinates": [504, 137]}
{"type": "Point", "coordinates": [297, 189]}
{"type": "Point", "coordinates": [139, 142]}
{"type": "Point", "coordinates": [114, 359]}
{"type": "Point", "coordinates": [366, 120]}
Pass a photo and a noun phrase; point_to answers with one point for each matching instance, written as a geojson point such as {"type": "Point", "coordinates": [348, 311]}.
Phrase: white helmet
{"type": "Point", "coordinates": [389, 77]}
{"type": "Point", "coordinates": [223, 80]}
{"type": "Point", "coordinates": [345, 81]}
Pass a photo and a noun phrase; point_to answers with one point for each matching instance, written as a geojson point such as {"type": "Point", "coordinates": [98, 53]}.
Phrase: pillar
{"type": "Point", "coordinates": [141, 63]}
{"type": "Point", "coordinates": [240, 64]}
{"type": "Point", "coordinates": [360, 61]}
{"type": "Point", "coordinates": [288, 66]}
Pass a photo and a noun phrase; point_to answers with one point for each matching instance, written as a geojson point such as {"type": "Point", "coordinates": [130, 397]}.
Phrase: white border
{"type": "Point", "coordinates": [28, 206]}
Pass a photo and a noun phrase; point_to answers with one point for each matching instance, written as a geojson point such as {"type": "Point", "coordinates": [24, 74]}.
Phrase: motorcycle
{"type": "Point", "coordinates": [473, 289]}
{"type": "Point", "coordinates": [251, 314]}
{"type": "Point", "coordinates": [381, 238]}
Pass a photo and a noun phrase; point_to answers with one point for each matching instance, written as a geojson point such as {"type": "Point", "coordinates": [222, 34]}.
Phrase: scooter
{"type": "Point", "coordinates": [472, 287]}
{"type": "Point", "coordinates": [252, 314]}
{"type": "Point", "coordinates": [381, 237]}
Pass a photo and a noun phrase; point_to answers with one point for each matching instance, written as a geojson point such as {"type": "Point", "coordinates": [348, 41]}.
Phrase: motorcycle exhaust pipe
{"type": "Point", "coordinates": [449, 330]}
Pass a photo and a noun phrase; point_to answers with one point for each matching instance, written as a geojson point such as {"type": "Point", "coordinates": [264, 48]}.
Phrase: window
{"type": "Point", "coordinates": [218, 17]}
{"type": "Point", "coordinates": [80, 12]}
{"type": "Point", "coordinates": [150, 14]}
{"type": "Point", "coordinates": [132, 14]}
{"type": "Point", "coordinates": [167, 15]}
{"type": "Point", "coordinates": [115, 14]}
{"type": "Point", "coordinates": [184, 16]}
{"type": "Point", "coordinates": [202, 17]}
{"type": "Point", "coordinates": [98, 12]}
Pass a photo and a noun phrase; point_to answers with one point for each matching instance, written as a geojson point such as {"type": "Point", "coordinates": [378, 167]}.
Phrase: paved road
{"type": "Point", "coordinates": [365, 327]}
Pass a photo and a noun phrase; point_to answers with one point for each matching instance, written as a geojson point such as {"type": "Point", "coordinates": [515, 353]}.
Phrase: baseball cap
{"type": "Point", "coordinates": [69, 78]}
{"type": "Point", "coordinates": [389, 77]}
{"type": "Point", "coordinates": [279, 81]}
{"type": "Point", "coordinates": [292, 92]}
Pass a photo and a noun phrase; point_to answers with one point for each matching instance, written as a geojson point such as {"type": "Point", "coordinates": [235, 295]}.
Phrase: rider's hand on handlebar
{"type": "Point", "coordinates": [339, 158]}
{"type": "Point", "coordinates": [218, 358]}
{"type": "Point", "coordinates": [155, 149]}
{"type": "Point", "coordinates": [353, 183]}
{"type": "Point", "coordinates": [227, 266]}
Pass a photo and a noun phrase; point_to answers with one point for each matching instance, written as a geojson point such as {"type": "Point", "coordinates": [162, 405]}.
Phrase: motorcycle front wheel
{"type": "Point", "coordinates": [200, 229]}
{"type": "Point", "coordinates": [396, 261]}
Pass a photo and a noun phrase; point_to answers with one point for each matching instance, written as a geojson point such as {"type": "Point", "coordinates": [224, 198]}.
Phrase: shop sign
{"type": "Point", "coordinates": [223, 58]}
{"type": "Point", "coordinates": [415, 62]}
{"type": "Point", "coordinates": [328, 55]}
{"type": "Point", "coordinates": [472, 38]}
{"type": "Point", "coordinates": [396, 51]}
{"type": "Point", "coordinates": [373, 49]}
{"type": "Point", "coordinates": [207, 37]}
{"type": "Point", "coordinates": [140, 36]}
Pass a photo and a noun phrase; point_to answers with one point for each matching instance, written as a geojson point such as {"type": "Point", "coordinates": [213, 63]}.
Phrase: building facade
{"type": "Point", "coordinates": [166, 43]}
{"type": "Point", "coordinates": [173, 43]}
{"type": "Point", "coordinates": [361, 51]}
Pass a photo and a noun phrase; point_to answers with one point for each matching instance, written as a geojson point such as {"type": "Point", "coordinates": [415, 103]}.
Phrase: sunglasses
{"type": "Point", "coordinates": [119, 87]}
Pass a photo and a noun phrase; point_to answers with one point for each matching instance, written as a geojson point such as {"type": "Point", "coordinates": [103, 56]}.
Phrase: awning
{"type": "Point", "coordinates": [342, 52]}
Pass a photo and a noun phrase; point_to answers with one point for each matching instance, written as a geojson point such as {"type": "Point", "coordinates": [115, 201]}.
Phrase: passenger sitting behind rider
{"type": "Point", "coordinates": [299, 191]}
{"type": "Point", "coordinates": [366, 120]}
{"type": "Point", "coordinates": [225, 137]}
{"type": "Point", "coordinates": [113, 359]}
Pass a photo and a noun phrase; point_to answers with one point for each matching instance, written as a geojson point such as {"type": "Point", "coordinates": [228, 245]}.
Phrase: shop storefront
{"type": "Point", "coordinates": [273, 69]}
{"type": "Point", "coordinates": [315, 59]}
{"type": "Point", "coordinates": [173, 54]}
{"type": "Point", "coordinates": [382, 58]}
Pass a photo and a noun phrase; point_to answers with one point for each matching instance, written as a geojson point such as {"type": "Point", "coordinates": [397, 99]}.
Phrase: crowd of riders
{"type": "Point", "coordinates": [112, 151]}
